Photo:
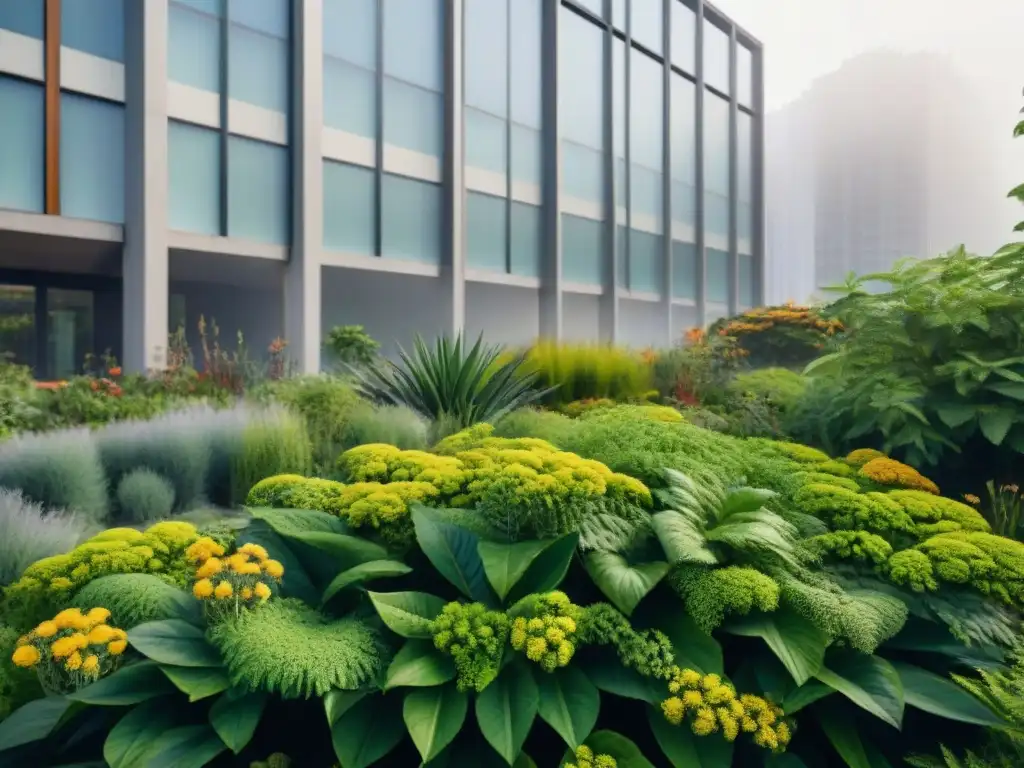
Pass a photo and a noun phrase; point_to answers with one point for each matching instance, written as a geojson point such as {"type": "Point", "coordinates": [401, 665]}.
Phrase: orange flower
{"type": "Point", "coordinates": [971, 499]}
{"type": "Point", "coordinates": [115, 371]}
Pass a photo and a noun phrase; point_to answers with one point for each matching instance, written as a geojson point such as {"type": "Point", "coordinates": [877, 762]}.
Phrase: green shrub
{"type": "Point", "coordinates": [144, 496]}
{"type": "Point", "coordinates": [586, 372]}
{"type": "Point", "coordinates": [29, 533]}
{"type": "Point", "coordinates": [780, 387]}
{"type": "Point", "coordinates": [351, 345]}
{"type": "Point", "coordinates": [135, 598]}
{"type": "Point", "coordinates": [389, 424]}
{"type": "Point", "coordinates": [786, 335]}
{"type": "Point", "coordinates": [274, 443]}
{"type": "Point", "coordinates": [534, 422]}
{"type": "Point", "coordinates": [59, 470]}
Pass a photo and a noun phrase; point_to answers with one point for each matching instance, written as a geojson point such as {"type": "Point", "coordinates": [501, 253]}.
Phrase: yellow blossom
{"type": "Point", "coordinates": [689, 678]}
{"type": "Point", "coordinates": [91, 665]}
{"type": "Point", "coordinates": [273, 569]}
{"type": "Point", "coordinates": [246, 593]}
{"type": "Point", "coordinates": [254, 550]}
{"type": "Point", "coordinates": [46, 629]}
{"type": "Point", "coordinates": [65, 646]}
{"type": "Point", "coordinates": [202, 589]}
{"type": "Point", "coordinates": [117, 647]}
{"type": "Point", "coordinates": [101, 634]}
{"type": "Point", "coordinates": [211, 567]}
{"type": "Point", "coordinates": [223, 590]}
{"type": "Point", "coordinates": [248, 569]}
{"type": "Point", "coordinates": [74, 661]}
{"type": "Point", "coordinates": [693, 699]}
{"type": "Point", "coordinates": [97, 616]}
{"type": "Point", "coordinates": [237, 561]}
{"type": "Point", "coordinates": [673, 709]}
{"type": "Point", "coordinates": [26, 656]}
{"type": "Point", "coordinates": [536, 647]}
{"type": "Point", "coordinates": [69, 618]}
{"type": "Point", "coordinates": [261, 590]}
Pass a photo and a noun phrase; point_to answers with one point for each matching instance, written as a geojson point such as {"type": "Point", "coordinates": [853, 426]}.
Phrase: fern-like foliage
{"type": "Point", "coordinates": [1003, 691]}
{"type": "Point", "coordinates": [135, 598]}
{"type": "Point", "coordinates": [287, 648]}
{"type": "Point", "coordinates": [970, 760]}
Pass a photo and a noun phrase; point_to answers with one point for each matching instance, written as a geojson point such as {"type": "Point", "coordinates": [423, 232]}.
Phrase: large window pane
{"type": "Point", "coordinates": [718, 276]}
{"type": "Point", "coordinates": [411, 219]}
{"type": "Point", "coordinates": [745, 172]}
{"type": "Point", "coordinates": [684, 270]}
{"type": "Point", "coordinates": [413, 117]}
{"type": "Point", "coordinates": [684, 37]}
{"type": "Point", "coordinates": [485, 231]}
{"type": "Point", "coordinates": [18, 324]}
{"type": "Point", "coordinates": [486, 36]}
{"type": "Point", "coordinates": [93, 26]}
{"type": "Point", "coordinates": [594, 6]}
{"type": "Point", "coordinates": [683, 130]}
{"type": "Point", "coordinates": [582, 246]}
{"type": "Point", "coordinates": [646, 262]}
{"type": "Point", "coordinates": [526, 154]}
{"type": "Point", "coordinates": [414, 41]}
{"type": "Point", "coordinates": [258, 69]}
{"type": "Point", "coordinates": [645, 23]}
{"type": "Point", "coordinates": [526, 239]}
{"type": "Point", "coordinates": [267, 16]}
{"type": "Point", "coordinates": [581, 107]}
{"type": "Point", "coordinates": [716, 165]}
{"type": "Point", "coordinates": [193, 169]}
{"type": "Point", "coordinates": [486, 141]}
{"type": "Point", "coordinates": [582, 172]}
{"type": "Point", "coordinates": [258, 191]}
{"type": "Point", "coordinates": [349, 212]}
{"type": "Point", "coordinates": [350, 31]}
{"type": "Point", "coordinates": [193, 49]}
{"type": "Point", "coordinates": [646, 135]}
{"type": "Point", "coordinates": [744, 76]}
{"type": "Point", "coordinates": [91, 159]}
{"type": "Point", "coordinates": [619, 118]}
{"type": "Point", "coordinates": [746, 281]}
{"type": "Point", "coordinates": [69, 331]}
{"type": "Point", "coordinates": [525, 74]}
{"type": "Point", "coordinates": [21, 145]}
{"type": "Point", "coordinates": [716, 57]}
{"type": "Point", "coordinates": [350, 98]}
{"type": "Point", "coordinates": [23, 16]}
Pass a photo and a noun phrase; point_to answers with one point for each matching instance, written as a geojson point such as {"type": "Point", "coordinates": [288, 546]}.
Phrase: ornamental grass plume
{"type": "Point", "coordinates": [228, 583]}
{"type": "Point", "coordinates": [72, 649]}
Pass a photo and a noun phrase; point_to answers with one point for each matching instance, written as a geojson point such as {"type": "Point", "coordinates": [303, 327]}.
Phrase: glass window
{"type": "Point", "coordinates": [716, 57]}
{"type": "Point", "coordinates": [683, 129]}
{"type": "Point", "coordinates": [486, 65]}
{"type": "Point", "coordinates": [646, 135]}
{"type": "Point", "coordinates": [684, 270]}
{"type": "Point", "coordinates": [413, 117]}
{"type": "Point", "coordinates": [91, 159]}
{"type": "Point", "coordinates": [745, 172]}
{"type": "Point", "coordinates": [193, 49]}
{"type": "Point", "coordinates": [193, 168]}
{"type": "Point", "coordinates": [747, 298]}
{"type": "Point", "coordinates": [525, 75]}
{"type": "Point", "coordinates": [619, 14]}
{"type": "Point", "coordinates": [744, 76]}
{"type": "Point", "coordinates": [645, 23]}
{"type": "Point", "coordinates": [26, 17]}
{"type": "Point", "coordinates": [646, 262]}
{"type": "Point", "coordinates": [582, 247]}
{"type": "Point", "coordinates": [69, 331]}
{"type": "Point", "coordinates": [619, 119]}
{"type": "Point", "coordinates": [582, 172]}
{"type": "Point", "coordinates": [596, 7]}
{"type": "Point", "coordinates": [581, 106]}
{"type": "Point", "coordinates": [259, 191]}
{"type": "Point", "coordinates": [716, 165]}
{"type": "Point", "coordinates": [93, 26]}
{"type": "Point", "coordinates": [176, 311]}
{"type": "Point", "coordinates": [485, 231]}
{"type": "Point", "coordinates": [350, 31]}
{"type": "Point", "coordinates": [526, 239]}
{"type": "Point", "coordinates": [527, 154]}
{"type": "Point", "coordinates": [267, 16]}
{"type": "Point", "coordinates": [209, 7]}
{"type": "Point", "coordinates": [349, 208]}
{"type": "Point", "coordinates": [350, 98]}
{"type": "Point", "coordinates": [684, 37]}
{"type": "Point", "coordinates": [718, 276]}
{"type": "Point", "coordinates": [486, 141]}
{"type": "Point", "coordinates": [411, 219]}
{"type": "Point", "coordinates": [18, 324]}
{"type": "Point", "coordinates": [414, 41]}
{"type": "Point", "coordinates": [621, 261]}
{"type": "Point", "coordinates": [258, 69]}
{"type": "Point", "coordinates": [22, 154]}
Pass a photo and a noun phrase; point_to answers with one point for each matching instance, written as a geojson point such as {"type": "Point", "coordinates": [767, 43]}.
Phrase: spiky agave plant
{"type": "Point", "coordinates": [450, 383]}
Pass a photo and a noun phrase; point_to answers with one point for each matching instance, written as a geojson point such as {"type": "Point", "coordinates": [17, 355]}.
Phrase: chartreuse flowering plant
{"type": "Point", "coordinates": [72, 649]}
{"type": "Point", "coordinates": [228, 583]}
{"type": "Point", "coordinates": [585, 758]}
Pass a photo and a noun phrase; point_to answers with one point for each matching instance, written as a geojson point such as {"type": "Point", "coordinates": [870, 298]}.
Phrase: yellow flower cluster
{"type": "Point", "coordinates": [886, 471]}
{"type": "Point", "coordinates": [585, 758]}
{"type": "Point", "coordinates": [715, 706]}
{"type": "Point", "coordinates": [233, 579]}
{"type": "Point", "coordinates": [547, 637]}
{"type": "Point", "coordinates": [861, 456]}
{"type": "Point", "coordinates": [71, 649]}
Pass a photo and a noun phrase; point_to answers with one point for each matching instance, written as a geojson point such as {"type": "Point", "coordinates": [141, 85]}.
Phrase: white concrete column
{"type": "Point", "coordinates": [145, 229]}
{"type": "Point", "coordinates": [302, 286]}
{"type": "Point", "coordinates": [453, 258]}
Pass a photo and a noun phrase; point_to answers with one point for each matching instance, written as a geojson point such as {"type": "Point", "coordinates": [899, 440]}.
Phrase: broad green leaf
{"type": "Point", "coordinates": [337, 703]}
{"type": "Point", "coordinates": [524, 761]}
{"type": "Point", "coordinates": [797, 643]}
{"type": "Point", "coordinates": [625, 752]}
{"type": "Point", "coordinates": [419, 664]}
{"type": "Point", "coordinates": [1011, 389]}
{"type": "Point", "coordinates": [175, 642]}
{"type": "Point", "coordinates": [132, 684]}
{"type": "Point", "coordinates": [134, 735]}
{"type": "Point", "coordinates": [954, 416]}
{"type": "Point", "coordinates": [453, 551]}
{"type": "Point", "coordinates": [291, 522]}
{"type": "Point", "coordinates": [234, 716]}
{"type": "Point", "coordinates": [843, 735]}
{"type": "Point", "coordinates": [350, 551]}
{"type": "Point", "coordinates": [506, 708]}
{"type": "Point", "coordinates": [692, 647]}
{"type": "Point", "coordinates": [870, 682]}
{"type": "Point", "coordinates": [375, 569]}
{"type": "Point", "coordinates": [942, 697]}
{"type": "Point", "coordinates": [569, 703]}
{"type": "Point", "coordinates": [407, 613]}
{"type": "Point", "coordinates": [33, 721]}
{"type": "Point", "coordinates": [996, 423]}
{"type": "Point", "coordinates": [191, 746]}
{"type": "Point", "coordinates": [296, 581]}
{"type": "Point", "coordinates": [365, 734]}
{"type": "Point", "coordinates": [805, 695]}
{"type": "Point", "coordinates": [930, 637]}
{"type": "Point", "coordinates": [683, 749]}
{"type": "Point", "coordinates": [611, 677]}
{"type": "Point", "coordinates": [539, 565]}
{"type": "Point", "coordinates": [197, 682]}
{"type": "Point", "coordinates": [624, 584]}
{"type": "Point", "coordinates": [434, 716]}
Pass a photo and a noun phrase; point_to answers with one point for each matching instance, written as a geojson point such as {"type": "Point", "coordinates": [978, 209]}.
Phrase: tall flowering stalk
{"type": "Point", "coordinates": [226, 584]}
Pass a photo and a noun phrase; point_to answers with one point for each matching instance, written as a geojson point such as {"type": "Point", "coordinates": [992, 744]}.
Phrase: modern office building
{"type": "Point", "coordinates": [586, 169]}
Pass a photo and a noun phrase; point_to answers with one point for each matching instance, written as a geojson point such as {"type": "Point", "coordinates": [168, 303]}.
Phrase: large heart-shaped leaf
{"type": "Point", "coordinates": [844, 736]}
{"type": "Point", "coordinates": [996, 423]}
{"type": "Point", "coordinates": [133, 737]}
{"type": "Point", "coordinates": [360, 574]}
{"type": "Point", "coordinates": [190, 746]}
{"type": "Point", "coordinates": [434, 716]}
{"type": "Point", "coordinates": [515, 570]}
{"type": "Point", "coordinates": [132, 684]}
{"type": "Point", "coordinates": [870, 682]}
{"type": "Point", "coordinates": [611, 677]}
{"type": "Point", "coordinates": [569, 703]}
{"type": "Point", "coordinates": [296, 581]}
{"type": "Point", "coordinates": [625, 752]}
{"type": "Point", "coordinates": [624, 584]}
{"type": "Point", "coordinates": [683, 749]}
{"type": "Point", "coordinates": [692, 647]}
{"type": "Point", "coordinates": [197, 682]}
{"type": "Point", "coordinates": [797, 643]}
{"type": "Point", "coordinates": [419, 664]}
{"type": "Point", "coordinates": [348, 551]}
{"type": "Point", "coordinates": [175, 642]}
{"type": "Point", "coordinates": [942, 697]}
{"type": "Point", "coordinates": [407, 613]}
{"type": "Point", "coordinates": [33, 721]}
{"type": "Point", "coordinates": [805, 695]}
{"type": "Point", "coordinates": [235, 716]}
{"type": "Point", "coordinates": [453, 551]}
{"type": "Point", "coordinates": [506, 708]}
{"type": "Point", "coordinates": [338, 702]}
{"type": "Point", "coordinates": [365, 734]}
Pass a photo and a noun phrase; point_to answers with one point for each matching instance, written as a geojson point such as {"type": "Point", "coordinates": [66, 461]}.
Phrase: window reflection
{"type": "Point", "coordinates": [18, 325]}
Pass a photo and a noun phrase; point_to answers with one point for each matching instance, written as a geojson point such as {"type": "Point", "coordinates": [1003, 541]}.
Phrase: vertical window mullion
{"type": "Point", "coordinates": [225, 37]}
{"type": "Point", "coordinates": [508, 136]}
{"type": "Point", "coordinates": [378, 185]}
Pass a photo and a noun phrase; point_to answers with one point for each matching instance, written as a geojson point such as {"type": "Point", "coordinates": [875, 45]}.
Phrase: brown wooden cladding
{"type": "Point", "coordinates": [52, 114]}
